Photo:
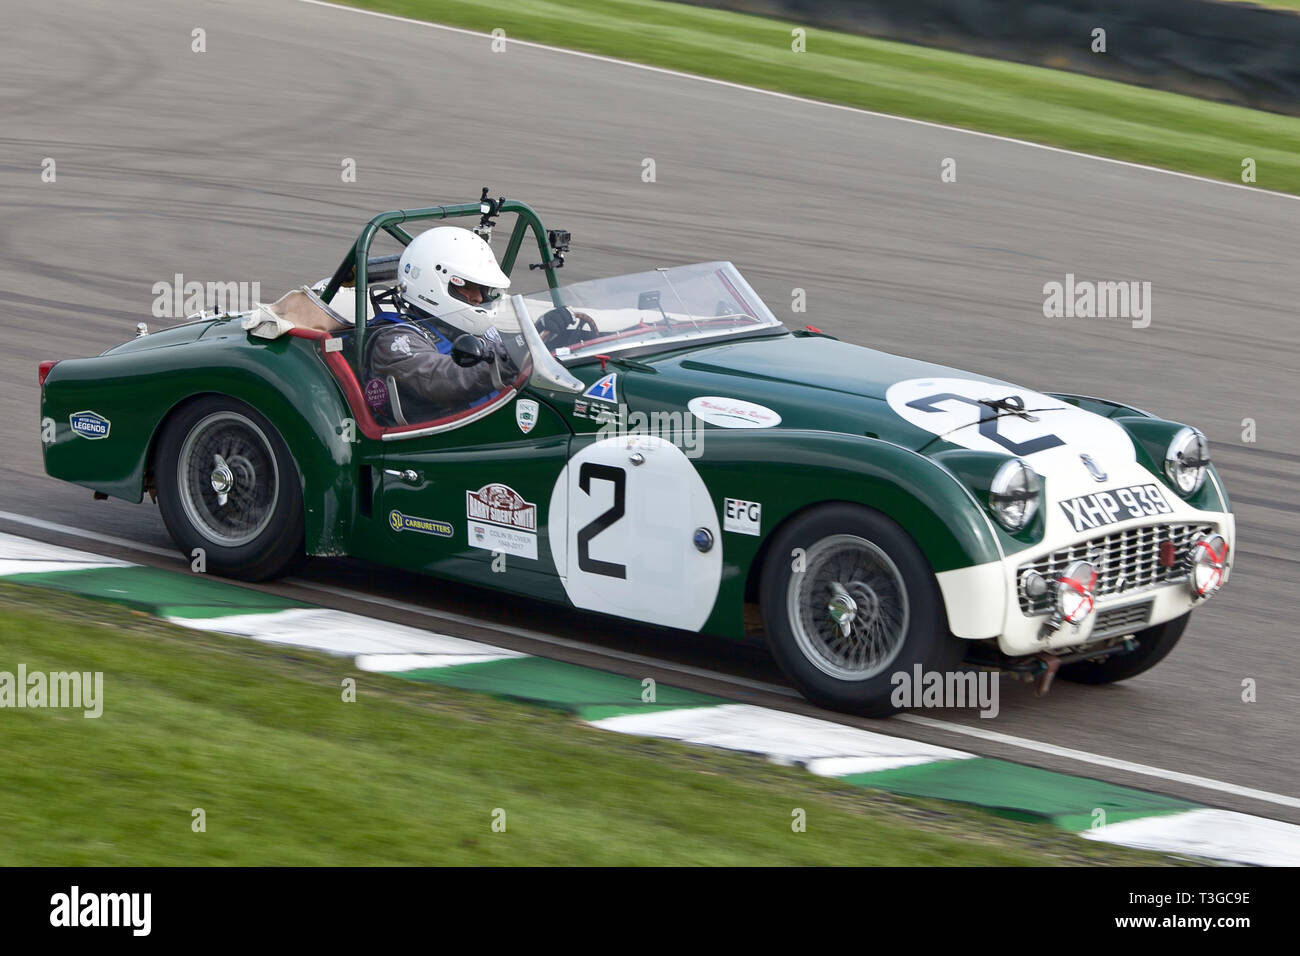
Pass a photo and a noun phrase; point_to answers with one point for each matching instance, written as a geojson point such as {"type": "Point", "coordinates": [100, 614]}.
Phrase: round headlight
{"type": "Point", "coordinates": [1186, 461]}
{"type": "Point", "coordinates": [1207, 563]}
{"type": "Point", "coordinates": [1014, 494]}
{"type": "Point", "coordinates": [1076, 592]}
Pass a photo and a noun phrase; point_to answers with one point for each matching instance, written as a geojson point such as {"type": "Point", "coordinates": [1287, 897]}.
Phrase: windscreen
{"type": "Point", "coordinates": [649, 311]}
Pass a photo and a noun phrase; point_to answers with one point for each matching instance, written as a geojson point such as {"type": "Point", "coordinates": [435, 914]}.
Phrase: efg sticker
{"type": "Point", "coordinates": [89, 424]}
{"type": "Point", "coordinates": [499, 519]}
{"type": "Point", "coordinates": [400, 522]}
{"type": "Point", "coordinates": [742, 517]}
{"type": "Point", "coordinates": [526, 414]}
{"type": "Point", "coordinates": [732, 412]}
{"type": "Point", "coordinates": [376, 394]}
{"type": "Point", "coordinates": [604, 390]}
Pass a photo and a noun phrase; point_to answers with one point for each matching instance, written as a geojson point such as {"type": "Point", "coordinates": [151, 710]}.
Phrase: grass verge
{"type": "Point", "coordinates": [1010, 99]}
{"type": "Point", "coordinates": [287, 773]}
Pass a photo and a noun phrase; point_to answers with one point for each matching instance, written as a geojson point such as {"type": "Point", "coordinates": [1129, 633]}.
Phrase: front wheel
{"type": "Point", "coordinates": [228, 486]}
{"type": "Point", "coordinates": [1154, 644]}
{"type": "Point", "coordinates": [849, 600]}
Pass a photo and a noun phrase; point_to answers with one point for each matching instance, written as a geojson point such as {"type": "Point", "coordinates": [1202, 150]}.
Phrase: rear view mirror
{"type": "Point", "coordinates": [648, 300]}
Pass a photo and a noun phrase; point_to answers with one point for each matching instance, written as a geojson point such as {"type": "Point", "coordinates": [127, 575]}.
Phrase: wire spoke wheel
{"type": "Point", "coordinates": [848, 608]}
{"type": "Point", "coordinates": [228, 479]}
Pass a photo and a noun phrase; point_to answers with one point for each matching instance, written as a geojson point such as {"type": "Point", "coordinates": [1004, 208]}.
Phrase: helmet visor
{"type": "Point", "coordinates": [472, 293]}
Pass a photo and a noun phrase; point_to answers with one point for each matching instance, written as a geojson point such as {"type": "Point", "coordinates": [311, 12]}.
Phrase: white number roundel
{"type": "Point", "coordinates": [1051, 433]}
{"type": "Point", "coordinates": [629, 542]}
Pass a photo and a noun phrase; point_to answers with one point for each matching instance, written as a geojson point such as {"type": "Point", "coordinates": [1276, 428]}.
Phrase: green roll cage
{"type": "Point", "coordinates": [357, 263]}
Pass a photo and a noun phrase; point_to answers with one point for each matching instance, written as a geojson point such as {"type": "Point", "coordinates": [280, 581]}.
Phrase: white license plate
{"type": "Point", "coordinates": [1118, 504]}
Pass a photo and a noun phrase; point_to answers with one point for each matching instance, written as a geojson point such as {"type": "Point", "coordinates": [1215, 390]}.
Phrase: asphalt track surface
{"type": "Point", "coordinates": [225, 165]}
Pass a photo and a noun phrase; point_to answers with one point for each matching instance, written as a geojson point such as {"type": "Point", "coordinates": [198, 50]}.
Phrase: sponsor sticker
{"type": "Point", "coordinates": [376, 393]}
{"type": "Point", "coordinates": [742, 517]}
{"type": "Point", "coordinates": [1118, 504]}
{"type": "Point", "coordinates": [492, 537]}
{"type": "Point", "coordinates": [400, 522]}
{"type": "Point", "coordinates": [526, 414]}
{"type": "Point", "coordinates": [499, 519]}
{"type": "Point", "coordinates": [594, 411]}
{"type": "Point", "coordinates": [89, 424]}
{"type": "Point", "coordinates": [732, 412]}
{"type": "Point", "coordinates": [605, 390]}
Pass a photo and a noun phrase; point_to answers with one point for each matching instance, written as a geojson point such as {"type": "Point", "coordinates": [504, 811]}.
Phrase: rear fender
{"type": "Point", "coordinates": [135, 393]}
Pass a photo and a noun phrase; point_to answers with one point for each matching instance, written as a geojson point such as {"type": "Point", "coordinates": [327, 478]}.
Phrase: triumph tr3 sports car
{"type": "Point", "coordinates": [662, 449]}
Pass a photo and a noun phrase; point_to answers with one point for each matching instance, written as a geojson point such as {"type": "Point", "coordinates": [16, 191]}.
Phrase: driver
{"type": "Point", "coordinates": [449, 283]}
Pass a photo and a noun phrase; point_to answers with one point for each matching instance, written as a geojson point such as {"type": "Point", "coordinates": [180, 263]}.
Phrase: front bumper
{"type": "Point", "coordinates": [1135, 589]}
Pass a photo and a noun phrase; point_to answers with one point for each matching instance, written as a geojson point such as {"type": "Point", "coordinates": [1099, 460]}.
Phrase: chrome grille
{"type": "Point", "coordinates": [1127, 561]}
{"type": "Point", "coordinates": [1122, 620]}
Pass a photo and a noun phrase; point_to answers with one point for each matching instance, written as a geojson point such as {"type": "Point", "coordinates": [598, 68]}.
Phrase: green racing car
{"type": "Point", "coordinates": [659, 447]}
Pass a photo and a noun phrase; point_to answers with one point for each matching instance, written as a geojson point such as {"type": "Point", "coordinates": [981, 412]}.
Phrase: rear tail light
{"type": "Point", "coordinates": [45, 370]}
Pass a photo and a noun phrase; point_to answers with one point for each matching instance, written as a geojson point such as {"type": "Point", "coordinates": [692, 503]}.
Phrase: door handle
{"type": "Point", "coordinates": [408, 475]}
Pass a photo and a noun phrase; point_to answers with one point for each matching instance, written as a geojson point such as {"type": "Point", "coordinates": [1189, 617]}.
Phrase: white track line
{"type": "Point", "coordinates": [821, 746]}
{"type": "Point", "coordinates": [1217, 834]}
{"type": "Point", "coordinates": [803, 99]}
{"type": "Point", "coordinates": [1035, 746]}
{"type": "Point", "coordinates": [89, 535]}
{"type": "Point", "coordinates": [344, 633]}
{"type": "Point", "coordinates": [20, 555]}
{"type": "Point", "coordinates": [550, 639]}
{"type": "Point", "coordinates": [1113, 763]}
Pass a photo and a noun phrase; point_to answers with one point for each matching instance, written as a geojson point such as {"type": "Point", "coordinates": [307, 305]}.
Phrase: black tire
{"type": "Point", "coordinates": [902, 608]}
{"type": "Point", "coordinates": [1154, 645]}
{"type": "Point", "coordinates": [257, 532]}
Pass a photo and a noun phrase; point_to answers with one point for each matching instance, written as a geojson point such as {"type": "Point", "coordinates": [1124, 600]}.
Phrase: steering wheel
{"type": "Point", "coordinates": [556, 331]}
{"type": "Point", "coordinates": [585, 324]}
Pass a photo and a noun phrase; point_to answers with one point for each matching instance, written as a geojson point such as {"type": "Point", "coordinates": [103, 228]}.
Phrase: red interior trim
{"type": "Point", "coordinates": [347, 380]}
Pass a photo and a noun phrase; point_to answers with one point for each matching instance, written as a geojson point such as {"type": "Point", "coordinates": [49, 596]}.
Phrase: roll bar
{"type": "Point", "coordinates": [355, 266]}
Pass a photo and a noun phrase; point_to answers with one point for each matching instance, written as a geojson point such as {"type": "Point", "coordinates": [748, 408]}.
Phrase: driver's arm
{"type": "Point", "coordinates": [420, 369]}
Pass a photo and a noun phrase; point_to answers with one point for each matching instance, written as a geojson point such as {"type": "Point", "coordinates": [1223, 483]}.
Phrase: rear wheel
{"type": "Point", "coordinates": [848, 600]}
{"type": "Point", "coordinates": [1154, 644]}
{"type": "Point", "coordinates": [227, 485]}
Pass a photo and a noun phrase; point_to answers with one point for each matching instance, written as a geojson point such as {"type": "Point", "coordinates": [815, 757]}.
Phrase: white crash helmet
{"type": "Point", "coordinates": [437, 265]}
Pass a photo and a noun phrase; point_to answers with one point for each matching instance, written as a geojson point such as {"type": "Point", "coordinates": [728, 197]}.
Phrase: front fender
{"type": "Point", "coordinates": [789, 471]}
